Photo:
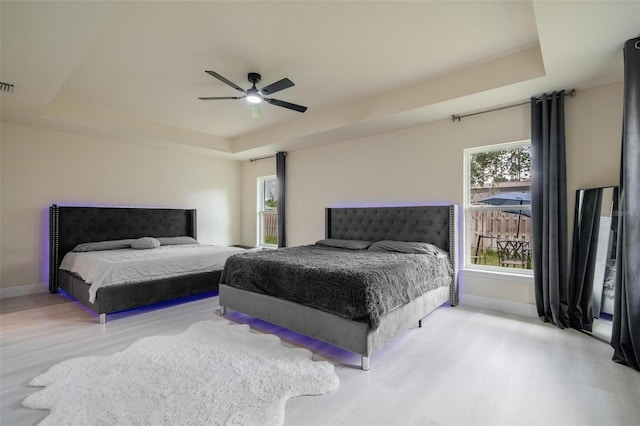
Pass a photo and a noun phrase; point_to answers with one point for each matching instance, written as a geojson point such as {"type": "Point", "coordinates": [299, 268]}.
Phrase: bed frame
{"type": "Point", "coordinates": [69, 226]}
{"type": "Point", "coordinates": [431, 224]}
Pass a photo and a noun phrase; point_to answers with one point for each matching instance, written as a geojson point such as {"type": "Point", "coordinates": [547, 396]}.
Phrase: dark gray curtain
{"type": "Point", "coordinates": [281, 174]}
{"type": "Point", "coordinates": [549, 208]}
{"type": "Point", "coordinates": [625, 337]}
{"type": "Point", "coordinates": [583, 260]}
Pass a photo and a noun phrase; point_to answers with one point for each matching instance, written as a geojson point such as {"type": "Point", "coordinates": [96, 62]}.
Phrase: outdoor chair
{"type": "Point", "coordinates": [480, 255]}
{"type": "Point", "coordinates": [514, 253]}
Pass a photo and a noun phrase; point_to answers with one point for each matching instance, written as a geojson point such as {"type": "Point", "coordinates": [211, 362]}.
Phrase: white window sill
{"type": "Point", "coordinates": [524, 276]}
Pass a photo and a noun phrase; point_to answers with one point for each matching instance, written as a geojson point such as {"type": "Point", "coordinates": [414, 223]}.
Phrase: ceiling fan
{"type": "Point", "coordinates": [254, 95]}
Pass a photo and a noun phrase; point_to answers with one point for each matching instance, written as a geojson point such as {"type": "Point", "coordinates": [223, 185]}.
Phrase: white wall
{"type": "Point", "coordinates": [424, 164]}
{"type": "Point", "coordinates": [42, 167]}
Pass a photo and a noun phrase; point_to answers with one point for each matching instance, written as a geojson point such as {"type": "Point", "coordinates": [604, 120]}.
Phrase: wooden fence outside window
{"type": "Point", "coordinates": [496, 225]}
{"type": "Point", "coordinates": [270, 227]}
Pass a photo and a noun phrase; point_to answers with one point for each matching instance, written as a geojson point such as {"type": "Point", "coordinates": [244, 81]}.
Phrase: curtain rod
{"type": "Point", "coordinates": [251, 160]}
{"type": "Point", "coordinates": [457, 117]}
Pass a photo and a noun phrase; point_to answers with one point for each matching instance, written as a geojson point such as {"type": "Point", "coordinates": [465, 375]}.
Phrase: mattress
{"type": "Point", "coordinates": [358, 285]}
{"type": "Point", "coordinates": [113, 267]}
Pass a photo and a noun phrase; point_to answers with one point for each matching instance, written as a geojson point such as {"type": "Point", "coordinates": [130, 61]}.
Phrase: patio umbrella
{"type": "Point", "coordinates": [510, 200]}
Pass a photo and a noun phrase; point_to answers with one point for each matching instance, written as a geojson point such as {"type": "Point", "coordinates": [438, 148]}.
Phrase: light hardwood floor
{"type": "Point", "coordinates": [464, 367]}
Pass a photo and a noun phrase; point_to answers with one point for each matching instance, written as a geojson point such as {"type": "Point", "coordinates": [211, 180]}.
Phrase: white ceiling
{"type": "Point", "coordinates": [133, 70]}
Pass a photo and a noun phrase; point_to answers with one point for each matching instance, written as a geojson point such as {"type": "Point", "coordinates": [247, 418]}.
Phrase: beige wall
{"type": "Point", "coordinates": [594, 137]}
{"type": "Point", "coordinates": [424, 164]}
{"type": "Point", "coordinates": [421, 164]}
{"type": "Point", "coordinates": [42, 167]}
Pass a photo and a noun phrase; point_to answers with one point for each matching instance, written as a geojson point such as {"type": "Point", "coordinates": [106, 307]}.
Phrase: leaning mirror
{"type": "Point", "coordinates": [593, 260]}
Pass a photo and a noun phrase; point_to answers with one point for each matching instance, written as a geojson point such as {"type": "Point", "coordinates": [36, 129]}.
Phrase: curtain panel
{"type": "Point", "coordinates": [625, 337]}
{"type": "Point", "coordinates": [281, 176]}
{"type": "Point", "coordinates": [549, 208]}
{"type": "Point", "coordinates": [585, 247]}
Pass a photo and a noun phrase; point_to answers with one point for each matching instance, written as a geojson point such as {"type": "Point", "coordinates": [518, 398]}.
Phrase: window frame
{"type": "Point", "coordinates": [260, 205]}
{"type": "Point", "coordinates": [468, 208]}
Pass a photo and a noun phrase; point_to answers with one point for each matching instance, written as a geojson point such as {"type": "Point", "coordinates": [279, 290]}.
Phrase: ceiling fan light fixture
{"type": "Point", "coordinates": [254, 95]}
{"type": "Point", "coordinates": [254, 98]}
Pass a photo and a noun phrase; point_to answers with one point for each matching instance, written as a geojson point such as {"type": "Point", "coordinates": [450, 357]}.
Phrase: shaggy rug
{"type": "Point", "coordinates": [215, 373]}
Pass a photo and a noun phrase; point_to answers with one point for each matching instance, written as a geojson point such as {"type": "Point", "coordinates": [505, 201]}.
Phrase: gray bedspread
{"type": "Point", "coordinates": [359, 285]}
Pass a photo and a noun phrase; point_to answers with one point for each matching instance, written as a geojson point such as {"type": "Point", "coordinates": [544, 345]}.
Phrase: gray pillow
{"type": "Point", "coordinates": [408, 247]}
{"type": "Point", "coordinates": [174, 241]}
{"type": "Point", "coordinates": [145, 243]}
{"type": "Point", "coordinates": [103, 245]}
{"type": "Point", "coordinates": [346, 244]}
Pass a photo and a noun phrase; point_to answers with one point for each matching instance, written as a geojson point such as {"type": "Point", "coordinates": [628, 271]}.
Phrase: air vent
{"type": "Point", "coordinates": [6, 87]}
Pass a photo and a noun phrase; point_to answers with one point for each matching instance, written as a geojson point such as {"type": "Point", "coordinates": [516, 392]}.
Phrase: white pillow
{"type": "Point", "coordinates": [103, 245]}
{"type": "Point", "coordinates": [145, 243]}
{"type": "Point", "coordinates": [170, 241]}
{"type": "Point", "coordinates": [408, 247]}
{"type": "Point", "coordinates": [346, 244]}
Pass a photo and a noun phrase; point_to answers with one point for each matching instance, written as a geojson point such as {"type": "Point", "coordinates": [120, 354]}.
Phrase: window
{"type": "Point", "coordinates": [267, 211]}
{"type": "Point", "coordinates": [498, 207]}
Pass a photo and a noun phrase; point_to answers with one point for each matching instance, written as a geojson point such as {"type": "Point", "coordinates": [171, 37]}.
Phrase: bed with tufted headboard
{"type": "Point", "coordinates": [70, 226]}
{"type": "Point", "coordinates": [378, 271]}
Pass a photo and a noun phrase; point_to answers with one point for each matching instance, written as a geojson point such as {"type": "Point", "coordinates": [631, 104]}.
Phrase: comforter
{"type": "Point", "coordinates": [359, 285]}
{"type": "Point", "coordinates": [113, 267]}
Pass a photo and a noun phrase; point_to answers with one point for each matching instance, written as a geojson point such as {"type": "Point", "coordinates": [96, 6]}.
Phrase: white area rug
{"type": "Point", "coordinates": [215, 373]}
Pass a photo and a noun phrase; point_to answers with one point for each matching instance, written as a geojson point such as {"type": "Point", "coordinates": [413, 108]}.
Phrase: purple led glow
{"type": "Point", "coordinates": [160, 305]}
{"type": "Point", "coordinates": [327, 351]}
{"type": "Point", "coordinates": [78, 304]}
{"type": "Point", "coordinates": [137, 311]}
{"type": "Point", "coordinates": [367, 204]}
{"type": "Point", "coordinates": [44, 247]}
{"type": "Point", "coordinates": [127, 206]}
{"type": "Point", "coordinates": [330, 352]}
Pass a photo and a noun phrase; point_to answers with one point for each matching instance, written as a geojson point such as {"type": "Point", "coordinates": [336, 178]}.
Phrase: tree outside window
{"type": "Point", "coordinates": [498, 207]}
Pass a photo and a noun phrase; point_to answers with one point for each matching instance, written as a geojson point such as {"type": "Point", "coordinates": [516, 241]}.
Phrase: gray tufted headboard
{"type": "Point", "coordinates": [70, 226]}
{"type": "Point", "coordinates": [429, 224]}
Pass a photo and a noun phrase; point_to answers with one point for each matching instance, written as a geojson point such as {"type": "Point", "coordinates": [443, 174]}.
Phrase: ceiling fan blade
{"type": "Point", "coordinates": [224, 80]}
{"type": "Point", "coordinates": [220, 97]}
{"type": "Point", "coordinates": [277, 86]}
{"type": "Point", "coordinates": [284, 104]}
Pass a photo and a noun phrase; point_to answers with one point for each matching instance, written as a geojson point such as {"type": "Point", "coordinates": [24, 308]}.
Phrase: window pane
{"type": "Point", "coordinates": [267, 211]}
{"type": "Point", "coordinates": [270, 195]}
{"type": "Point", "coordinates": [501, 177]}
{"type": "Point", "coordinates": [494, 233]}
{"type": "Point", "coordinates": [499, 220]}
{"type": "Point", "coordinates": [270, 227]}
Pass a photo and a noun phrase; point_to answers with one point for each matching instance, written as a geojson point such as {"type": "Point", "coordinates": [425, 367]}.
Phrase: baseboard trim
{"type": "Point", "coordinates": [23, 290]}
{"type": "Point", "coordinates": [499, 305]}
